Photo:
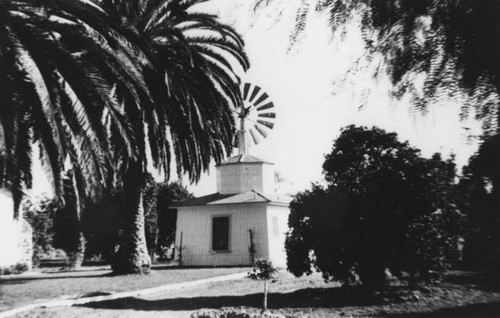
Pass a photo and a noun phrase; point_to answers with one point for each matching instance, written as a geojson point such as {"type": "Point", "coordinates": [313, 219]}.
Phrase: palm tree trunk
{"type": "Point", "coordinates": [77, 256]}
{"type": "Point", "coordinates": [132, 256]}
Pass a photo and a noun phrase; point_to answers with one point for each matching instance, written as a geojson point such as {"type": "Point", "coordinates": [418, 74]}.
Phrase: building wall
{"type": "Point", "coordinates": [277, 220]}
{"type": "Point", "coordinates": [267, 178]}
{"type": "Point", "coordinates": [195, 224]}
{"type": "Point", "coordinates": [244, 177]}
{"type": "Point", "coordinates": [16, 245]}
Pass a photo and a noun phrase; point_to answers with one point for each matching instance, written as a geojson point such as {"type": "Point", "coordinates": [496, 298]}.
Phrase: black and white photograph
{"type": "Point", "coordinates": [250, 158]}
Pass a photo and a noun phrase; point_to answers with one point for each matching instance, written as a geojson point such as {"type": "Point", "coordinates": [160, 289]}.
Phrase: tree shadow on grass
{"type": "Point", "coordinates": [482, 279]}
{"type": "Point", "coordinates": [306, 298]}
{"type": "Point", "coordinates": [333, 297]}
{"type": "Point", "coordinates": [485, 310]}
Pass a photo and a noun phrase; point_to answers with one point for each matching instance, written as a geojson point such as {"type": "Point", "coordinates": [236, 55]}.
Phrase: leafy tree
{"type": "Point", "coordinates": [102, 221]}
{"type": "Point", "coordinates": [168, 193]}
{"type": "Point", "coordinates": [480, 202]}
{"type": "Point", "coordinates": [384, 207]}
{"type": "Point", "coordinates": [39, 212]}
{"type": "Point", "coordinates": [453, 44]}
{"type": "Point", "coordinates": [160, 218]}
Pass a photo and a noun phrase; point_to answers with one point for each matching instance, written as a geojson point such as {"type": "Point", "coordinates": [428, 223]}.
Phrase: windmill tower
{"type": "Point", "coordinates": [242, 221]}
{"type": "Point", "coordinates": [244, 172]}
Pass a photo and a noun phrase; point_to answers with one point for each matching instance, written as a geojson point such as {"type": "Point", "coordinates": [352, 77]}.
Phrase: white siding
{"type": "Point", "coordinates": [267, 178]}
{"type": "Point", "coordinates": [16, 240]}
{"type": "Point", "coordinates": [277, 216]}
{"type": "Point", "coordinates": [244, 177]}
{"type": "Point", "coordinates": [195, 224]}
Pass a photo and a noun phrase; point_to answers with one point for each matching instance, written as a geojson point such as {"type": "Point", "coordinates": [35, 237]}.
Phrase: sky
{"type": "Point", "coordinates": [311, 103]}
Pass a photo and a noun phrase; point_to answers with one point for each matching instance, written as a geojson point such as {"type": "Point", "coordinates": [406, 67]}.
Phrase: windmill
{"type": "Point", "coordinates": [256, 117]}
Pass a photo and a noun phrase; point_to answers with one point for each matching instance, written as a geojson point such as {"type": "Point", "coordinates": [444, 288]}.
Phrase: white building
{"type": "Point", "coordinates": [15, 235]}
{"type": "Point", "coordinates": [238, 223]}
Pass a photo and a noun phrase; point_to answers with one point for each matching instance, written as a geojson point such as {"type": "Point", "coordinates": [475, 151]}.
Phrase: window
{"type": "Point", "coordinates": [220, 233]}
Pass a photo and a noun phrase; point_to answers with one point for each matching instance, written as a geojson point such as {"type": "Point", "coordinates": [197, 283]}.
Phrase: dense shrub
{"type": "Point", "coordinates": [480, 201]}
{"type": "Point", "coordinates": [14, 269]}
{"type": "Point", "coordinates": [384, 207]}
{"type": "Point", "coordinates": [151, 214]}
{"type": "Point", "coordinates": [102, 222]}
{"type": "Point", "coordinates": [160, 219]}
{"type": "Point", "coordinates": [67, 224]}
{"type": "Point", "coordinates": [39, 213]}
{"type": "Point", "coordinates": [168, 194]}
{"type": "Point", "coordinates": [95, 229]}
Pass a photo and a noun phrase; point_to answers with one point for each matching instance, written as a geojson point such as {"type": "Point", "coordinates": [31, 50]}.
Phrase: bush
{"type": "Point", "coordinates": [480, 201]}
{"type": "Point", "coordinates": [39, 213]}
{"type": "Point", "coordinates": [160, 219]}
{"type": "Point", "coordinates": [102, 221]}
{"type": "Point", "coordinates": [14, 269]}
{"type": "Point", "coordinates": [384, 208]}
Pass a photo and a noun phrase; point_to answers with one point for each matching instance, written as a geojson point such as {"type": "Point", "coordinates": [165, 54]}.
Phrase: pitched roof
{"type": "Point", "coordinates": [243, 159]}
{"type": "Point", "coordinates": [204, 200]}
{"type": "Point", "coordinates": [246, 197]}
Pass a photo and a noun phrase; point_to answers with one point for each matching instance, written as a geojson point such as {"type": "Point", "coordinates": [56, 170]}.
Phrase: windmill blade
{"type": "Point", "coordinates": [261, 131]}
{"type": "Point", "coordinates": [254, 136]}
{"type": "Point", "coordinates": [246, 88]}
{"type": "Point", "coordinates": [256, 90]}
{"type": "Point", "coordinates": [258, 111]}
{"type": "Point", "coordinates": [266, 123]}
{"type": "Point", "coordinates": [266, 106]}
{"type": "Point", "coordinates": [262, 98]}
{"type": "Point", "coordinates": [268, 115]}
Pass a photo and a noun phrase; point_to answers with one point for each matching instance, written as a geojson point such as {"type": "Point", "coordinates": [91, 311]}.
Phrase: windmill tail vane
{"type": "Point", "coordinates": [256, 117]}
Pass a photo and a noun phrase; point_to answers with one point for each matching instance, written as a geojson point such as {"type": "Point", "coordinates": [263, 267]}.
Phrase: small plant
{"type": "Point", "coordinates": [263, 270]}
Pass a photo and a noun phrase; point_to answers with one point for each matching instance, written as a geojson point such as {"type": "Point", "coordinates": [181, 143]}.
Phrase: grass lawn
{"type": "Point", "coordinates": [18, 290]}
{"type": "Point", "coordinates": [463, 294]}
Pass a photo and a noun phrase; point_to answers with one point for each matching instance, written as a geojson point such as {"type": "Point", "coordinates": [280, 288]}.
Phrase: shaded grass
{"type": "Point", "coordinates": [462, 294]}
{"type": "Point", "coordinates": [484, 310]}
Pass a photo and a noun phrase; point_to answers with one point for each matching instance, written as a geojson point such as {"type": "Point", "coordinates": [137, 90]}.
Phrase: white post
{"type": "Point", "coordinates": [265, 294]}
{"type": "Point", "coordinates": [242, 141]}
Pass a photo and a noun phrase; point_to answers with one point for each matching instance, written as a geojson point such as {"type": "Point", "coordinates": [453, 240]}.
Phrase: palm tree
{"type": "Point", "coordinates": [103, 82]}
{"type": "Point", "coordinates": [190, 62]}
{"type": "Point", "coordinates": [58, 79]}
